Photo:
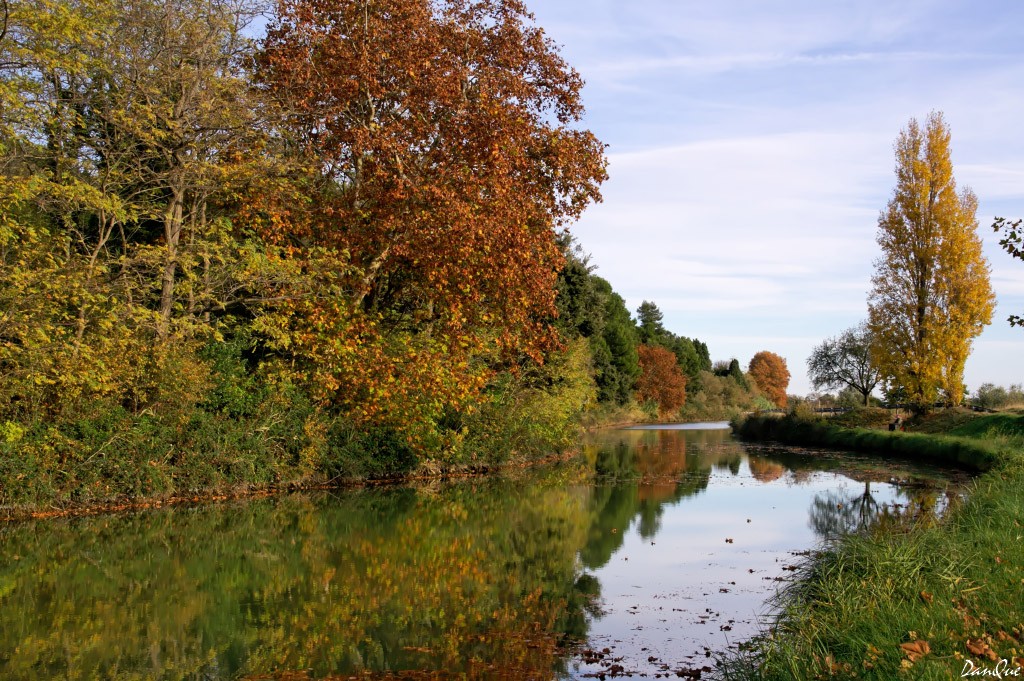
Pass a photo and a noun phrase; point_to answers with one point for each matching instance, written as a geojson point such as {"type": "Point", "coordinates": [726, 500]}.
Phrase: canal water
{"type": "Point", "coordinates": [660, 552]}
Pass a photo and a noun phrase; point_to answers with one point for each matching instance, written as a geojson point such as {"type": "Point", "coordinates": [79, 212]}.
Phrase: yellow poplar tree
{"type": "Point", "coordinates": [930, 294]}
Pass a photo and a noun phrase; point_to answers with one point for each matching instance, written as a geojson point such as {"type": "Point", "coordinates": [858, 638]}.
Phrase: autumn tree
{"type": "Point", "coordinates": [771, 375]}
{"type": "Point", "coordinates": [444, 138]}
{"type": "Point", "coordinates": [661, 380]}
{"type": "Point", "coordinates": [1012, 242]}
{"type": "Point", "coordinates": [845, 362]}
{"type": "Point", "coordinates": [691, 354]}
{"type": "Point", "coordinates": [930, 295]}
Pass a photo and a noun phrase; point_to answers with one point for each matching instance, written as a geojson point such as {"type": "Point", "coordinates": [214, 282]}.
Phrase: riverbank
{"type": "Point", "coordinates": [426, 474]}
{"type": "Point", "coordinates": [923, 600]}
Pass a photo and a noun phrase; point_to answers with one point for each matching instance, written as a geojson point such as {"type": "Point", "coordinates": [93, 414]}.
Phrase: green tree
{"type": "Point", "coordinates": [649, 326]}
{"type": "Point", "coordinates": [580, 302]}
{"type": "Point", "coordinates": [930, 293]}
{"type": "Point", "coordinates": [616, 360]}
{"type": "Point", "coordinates": [845, 361]}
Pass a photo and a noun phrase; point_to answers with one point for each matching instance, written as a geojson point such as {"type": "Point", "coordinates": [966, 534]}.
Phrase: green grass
{"type": "Point", "coordinates": [972, 452]}
{"type": "Point", "coordinates": [860, 608]}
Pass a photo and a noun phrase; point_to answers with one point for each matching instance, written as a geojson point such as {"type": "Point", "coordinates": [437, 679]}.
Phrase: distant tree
{"type": "Point", "coordinates": [703, 354]}
{"type": "Point", "coordinates": [580, 302]}
{"type": "Point", "coordinates": [930, 293]}
{"type": "Point", "coordinates": [849, 398]}
{"type": "Point", "coordinates": [661, 380]}
{"type": "Point", "coordinates": [1013, 243]}
{"type": "Point", "coordinates": [736, 373]}
{"type": "Point", "coordinates": [845, 361]}
{"type": "Point", "coordinates": [771, 375]}
{"type": "Point", "coordinates": [648, 320]}
{"type": "Point", "coordinates": [721, 368]}
{"type": "Point", "coordinates": [685, 352]}
{"type": "Point", "coordinates": [990, 396]}
{"type": "Point", "coordinates": [616, 361]}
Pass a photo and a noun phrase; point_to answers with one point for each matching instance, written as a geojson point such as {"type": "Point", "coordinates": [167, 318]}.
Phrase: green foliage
{"type": "Point", "coordinates": [863, 417]}
{"type": "Point", "coordinates": [991, 396]}
{"type": "Point", "coordinates": [582, 298]}
{"type": "Point", "coordinates": [616, 360]}
{"type": "Point", "coordinates": [355, 454]}
{"type": "Point", "coordinates": [534, 413]}
{"type": "Point", "coordinates": [719, 398]}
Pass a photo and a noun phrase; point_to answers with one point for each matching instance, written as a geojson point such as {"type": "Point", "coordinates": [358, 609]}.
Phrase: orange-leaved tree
{"type": "Point", "coordinates": [661, 380]}
{"type": "Point", "coordinates": [770, 373]}
{"type": "Point", "coordinates": [446, 157]}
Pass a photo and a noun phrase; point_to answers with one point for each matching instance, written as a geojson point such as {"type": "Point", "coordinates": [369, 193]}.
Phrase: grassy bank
{"type": "Point", "coordinates": [922, 601]}
{"type": "Point", "coordinates": [977, 451]}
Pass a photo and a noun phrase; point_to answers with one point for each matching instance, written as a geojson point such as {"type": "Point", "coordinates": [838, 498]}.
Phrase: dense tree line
{"type": "Point", "coordinates": [324, 252]}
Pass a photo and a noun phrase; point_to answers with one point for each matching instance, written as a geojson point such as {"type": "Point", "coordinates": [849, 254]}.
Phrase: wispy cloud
{"type": "Point", "coordinates": [751, 152]}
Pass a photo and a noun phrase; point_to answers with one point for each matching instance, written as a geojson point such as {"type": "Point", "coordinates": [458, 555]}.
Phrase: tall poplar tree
{"type": "Point", "coordinates": [930, 293]}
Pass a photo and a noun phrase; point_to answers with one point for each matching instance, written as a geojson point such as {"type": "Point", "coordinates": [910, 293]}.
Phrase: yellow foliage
{"type": "Point", "coordinates": [931, 294]}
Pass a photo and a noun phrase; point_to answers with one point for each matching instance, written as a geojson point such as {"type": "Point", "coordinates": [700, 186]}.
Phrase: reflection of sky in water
{"type": "Point", "coordinates": [711, 425]}
{"type": "Point", "coordinates": [686, 588]}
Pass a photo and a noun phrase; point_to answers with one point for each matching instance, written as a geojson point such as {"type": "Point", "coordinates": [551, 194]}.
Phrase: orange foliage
{"type": "Point", "coordinates": [446, 180]}
{"type": "Point", "coordinates": [661, 379]}
{"type": "Point", "coordinates": [770, 373]}
{"type": "Point", "coordinates": [443, 165]}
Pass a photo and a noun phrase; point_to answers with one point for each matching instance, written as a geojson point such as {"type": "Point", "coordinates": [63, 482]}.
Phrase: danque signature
{"type": "Point", "coordinates": [1001, 670]}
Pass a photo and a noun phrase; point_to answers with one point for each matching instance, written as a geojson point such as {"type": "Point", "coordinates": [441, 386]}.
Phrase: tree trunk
{"type": "Point", "coordinates": [172, 236]}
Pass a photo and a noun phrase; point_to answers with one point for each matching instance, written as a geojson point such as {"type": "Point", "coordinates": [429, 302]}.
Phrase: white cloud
{"type": "Point", "coordinates": [752, 152]}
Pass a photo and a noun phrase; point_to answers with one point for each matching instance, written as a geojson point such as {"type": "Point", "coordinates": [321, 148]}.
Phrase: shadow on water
{"type": "Point", "coordinates": [482, 579]}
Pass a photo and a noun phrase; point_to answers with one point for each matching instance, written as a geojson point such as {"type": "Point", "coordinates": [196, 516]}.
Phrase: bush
{"type": "Point", "coordinates": [377, 453]}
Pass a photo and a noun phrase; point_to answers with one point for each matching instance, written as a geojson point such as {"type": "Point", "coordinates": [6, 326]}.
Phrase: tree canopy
{"type": "Point", "coordinates": [770, 373]}
{"type": "Point", "coordinates": [661, 381]}
{"type": "Point", "coordinates": [845, 362]}
{"type": "Point", "coordinates": [930, 293]}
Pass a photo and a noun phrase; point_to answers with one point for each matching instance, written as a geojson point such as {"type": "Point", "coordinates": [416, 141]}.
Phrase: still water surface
{"type": "Point", "coordinates": [664, 559]}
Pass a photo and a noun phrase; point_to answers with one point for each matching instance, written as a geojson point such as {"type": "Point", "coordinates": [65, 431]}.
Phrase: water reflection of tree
{"type": "Point", "coordinates": [765, 470]}
{"type": "Point", "coordinates": [835, 512]}
{"type": "Point", "coordinates": [371, 580]}
{"type": "Point", "coordinates": [642, 473]}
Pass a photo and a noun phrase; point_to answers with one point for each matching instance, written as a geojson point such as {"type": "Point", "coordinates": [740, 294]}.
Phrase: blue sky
{"type": "Point", "coordinates": [750, 148]}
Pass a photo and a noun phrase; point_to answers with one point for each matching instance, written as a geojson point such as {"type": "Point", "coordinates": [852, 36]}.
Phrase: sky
{"type": "Point", "coordinates": [750, 149]}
